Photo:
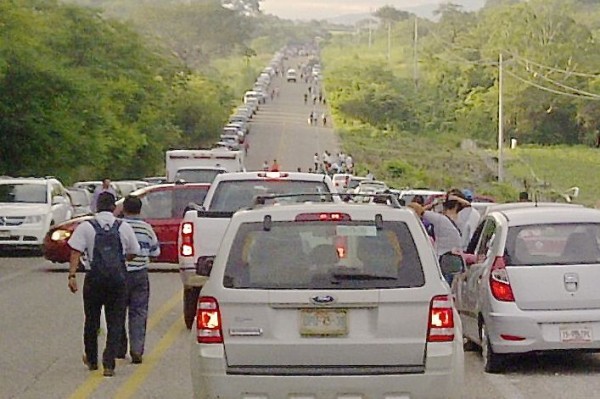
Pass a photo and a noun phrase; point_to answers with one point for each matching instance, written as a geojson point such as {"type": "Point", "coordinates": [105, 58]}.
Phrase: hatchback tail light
{"type": "Point", "coordinates": [208, 321]}
{"type": "Point", "coordinates": [441, 320]}
{"type": "Point", "coordinates": [499, 283]}
{"type": "Point", "coordinates": [187, 239]}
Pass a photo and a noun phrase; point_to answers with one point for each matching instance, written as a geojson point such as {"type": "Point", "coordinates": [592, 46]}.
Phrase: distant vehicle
{"type": "Point", "coordinates": [532, 288]}
{"type": "Point", "coordinates": [81, 199]}
{"type": "Point", "coordinates": [291, 75]}
{"type": "Point", "coordinates": [155, 179]}
{"type": "Point", "coordinates": [253, 95]}
{"type": "Point", "coordinates": [232, 161]}
{"type": "Point", "coordinates": [326, 301]}
{"type": "Point", "coordinates": [92, 185]}
{"type": "Point", "coordinates": [200, 174]}
{"type": "Point", "coordinates": [406, 196]}
{"type": "Point", "coordinates": [29, 207]}
{"type": "Point", "coordinates": [126, 187]}
{"type": "Point", "coordinates": [162, 207]}
{"type": "Point", "coordinates": [341, 181]}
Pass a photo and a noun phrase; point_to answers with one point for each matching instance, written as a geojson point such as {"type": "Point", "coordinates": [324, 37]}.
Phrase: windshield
{"type": "Point", "coordinates": [78, 198]}
{"type": "Point", "coordinates": [231, 196]}
{"type": "Point", "coordinates": [198, 175]}
{"type": "Point", "coordinates": [23, 193]}
{"type": "Point", "coordinates": [553, 244]}
{"type": "Point", "coordinates": [323, 255]}
{"type": "Point", "coordinates": [170, 204]}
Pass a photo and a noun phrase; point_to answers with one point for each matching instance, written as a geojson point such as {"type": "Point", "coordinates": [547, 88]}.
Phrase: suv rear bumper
{"type": "Point", "coordinates": [541, 330]}
{"type": "Point", "coordinates": [442, 378]}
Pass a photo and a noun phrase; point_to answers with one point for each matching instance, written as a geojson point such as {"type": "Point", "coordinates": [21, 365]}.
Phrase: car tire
{"type": "Point", "coordinates": [190, 303]}
{"type": "Point", "coordinates": [469, 346]}
{"type": "Point", "coordinates": [492, 362]}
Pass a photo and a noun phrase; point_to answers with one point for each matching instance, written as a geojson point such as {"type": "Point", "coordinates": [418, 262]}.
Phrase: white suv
{"type": "Point", "coordinates": [326, 301]}
{"type": "Point", "coordinates": [28, 207]}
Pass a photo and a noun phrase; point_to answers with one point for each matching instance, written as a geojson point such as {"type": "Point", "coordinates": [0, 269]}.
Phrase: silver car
{"type": "Point", "coordinates": [534, 285]}
{"type": "Point", "coordinates": [326, 301]}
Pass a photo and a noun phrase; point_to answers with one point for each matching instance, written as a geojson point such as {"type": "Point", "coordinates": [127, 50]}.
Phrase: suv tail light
{"type": "Point", "coordinates": [322, 217]}
{"type": "Point", "coordinates": [187, 239]}
{"type": "Point", "coordinates": [441, 320]}
{"type": "Point", "coordinates": [208, 321]}
{"type": "Point", "coordinates": [499, 284]}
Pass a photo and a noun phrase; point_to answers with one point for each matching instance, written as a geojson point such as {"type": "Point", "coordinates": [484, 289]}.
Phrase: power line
{"type": "Point", "coordinates": [562, 93]}
{"type": "Point", "coordinates": [566, 87]}
{"type": "Point", "coordinates": [553, 69]}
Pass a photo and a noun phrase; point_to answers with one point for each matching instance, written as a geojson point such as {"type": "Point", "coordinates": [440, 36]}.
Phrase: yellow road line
{"type": "Point", "coordinates": [133, 383]}
{"type": "Point", "coordinates": [95, 378]}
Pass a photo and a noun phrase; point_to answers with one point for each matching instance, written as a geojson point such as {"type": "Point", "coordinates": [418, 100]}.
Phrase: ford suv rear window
{"type": "Point", "coordinates": [553, 244]}
{"type": "Point", "coordinates": [231, 196]}
{"type": "Point", "coordinates": [323, 255]}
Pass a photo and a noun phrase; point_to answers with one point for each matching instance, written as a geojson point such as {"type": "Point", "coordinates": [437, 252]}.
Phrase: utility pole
{"type": "Point", "coordinates": [416, 53]}
{"type": "Point", "coordinates": [370, 27]}
{"type": "Point", "coordinates": [500, 122]}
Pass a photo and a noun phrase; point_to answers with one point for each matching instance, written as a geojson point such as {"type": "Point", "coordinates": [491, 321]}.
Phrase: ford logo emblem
{"type": "Point", "coordinates": [322, 299]}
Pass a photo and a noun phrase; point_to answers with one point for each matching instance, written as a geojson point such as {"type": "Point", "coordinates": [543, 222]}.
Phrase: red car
{"type": "Point", "coordinates": [162, 206]}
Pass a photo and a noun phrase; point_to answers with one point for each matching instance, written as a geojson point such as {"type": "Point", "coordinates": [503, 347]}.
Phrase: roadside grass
{"type": "Point", "coordinates": [553, 170]}
{"type": "Point", "coordinates": [239, 73]}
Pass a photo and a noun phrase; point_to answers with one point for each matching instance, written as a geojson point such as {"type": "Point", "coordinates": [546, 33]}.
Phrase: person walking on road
{"type": "Point", "coordinates": [265, 166]}
{"type": "Point", "coordinates": [305, 98]}
{"type": "Point", "coordinates": [105, 187]}
{"type": "Point", "coordinates": [324, 119]}
{"type": "Point", "coordinates": [108, 242]}
{"type": "Point", "coordinates": [316, 160]}
{"type": "Point", "coordinates": [274, 166]}
{"type": "Point", "coordinates": [138, 284]}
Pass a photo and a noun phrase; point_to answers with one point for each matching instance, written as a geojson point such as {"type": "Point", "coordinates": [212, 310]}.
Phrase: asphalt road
{"type": "Point", "coordinates": [41, 321]}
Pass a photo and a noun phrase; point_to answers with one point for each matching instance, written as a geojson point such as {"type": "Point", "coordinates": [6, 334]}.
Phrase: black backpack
{"type": "Point", "coordinates": [108, 261]}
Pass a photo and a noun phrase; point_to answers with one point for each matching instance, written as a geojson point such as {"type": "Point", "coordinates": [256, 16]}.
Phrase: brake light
{"type": "Point", "coordinates": [499, 284]}
{"type": "Point", "coordinates": [509, 337]}
{"type": "Point", "coordinates": [322, 217]}
{"type": "Point", "coordinates": [187, 239]}
{"type": "Point", "coordinates": [273, 175]}
{"type": "Point", "coordinates": [208, 321]}
{"type": "Point", "coordinates": [441, 320]}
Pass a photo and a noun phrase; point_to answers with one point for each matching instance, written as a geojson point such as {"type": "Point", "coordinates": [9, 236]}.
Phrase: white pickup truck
{"type": "Point", "coordinates": [202, 229]}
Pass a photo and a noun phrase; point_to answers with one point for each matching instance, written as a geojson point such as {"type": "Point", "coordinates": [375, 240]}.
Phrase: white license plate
{"type": "Point", "coordinates": [576, 335]}
{"type": "Point", "coordinates": [4, 233]}
{"type": "Point", "coordinates": [323, 322]}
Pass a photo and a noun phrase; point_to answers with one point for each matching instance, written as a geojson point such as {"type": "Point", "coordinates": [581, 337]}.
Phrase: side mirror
{"type": "Point", "coordinates": [451, 264]}
{"type": "Point", "coordinates": [58, 200]}
{"type": "Point", "coordinates": [204, 265]}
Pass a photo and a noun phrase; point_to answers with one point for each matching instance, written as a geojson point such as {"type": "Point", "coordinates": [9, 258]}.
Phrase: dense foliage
{"type": "Point", "coordinates": [104, 90]}
{"type": "Point", "coordinates": [444, 92]}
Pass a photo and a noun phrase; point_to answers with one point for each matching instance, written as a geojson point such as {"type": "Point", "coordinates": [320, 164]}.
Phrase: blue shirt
{"type": "Point", "coordinates": [149, 245]}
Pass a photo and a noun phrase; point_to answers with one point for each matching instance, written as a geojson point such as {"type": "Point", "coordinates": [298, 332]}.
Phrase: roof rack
{"type": "Point", "coordinates": [390, 198]}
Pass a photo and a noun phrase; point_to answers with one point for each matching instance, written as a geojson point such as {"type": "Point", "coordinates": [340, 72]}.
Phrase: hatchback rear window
{"type": "Point", "coordinates": [323, 255]}
{"type": "Point", "coordinates": [553, 244]}
{"type": "Point", "coordinates": [231, 196]}
{"type": "Point", "coordinates": [170, 204]}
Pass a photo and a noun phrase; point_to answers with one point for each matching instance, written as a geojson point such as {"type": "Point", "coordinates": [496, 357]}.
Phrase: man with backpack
{"type": "Point", "coordinates": [108, 242]}
{"type": "Point", "coordinates": [138, 284]}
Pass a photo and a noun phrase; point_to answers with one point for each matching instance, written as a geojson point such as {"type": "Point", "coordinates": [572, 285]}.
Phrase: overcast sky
{"type": "Point", "coordinates": [322, 9]}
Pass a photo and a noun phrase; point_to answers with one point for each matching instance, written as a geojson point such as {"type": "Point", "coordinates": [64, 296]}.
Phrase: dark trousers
{"type": "Point", "coordinates": [138, 296]}
{"type": "Point", "coordinates": [97, 294]}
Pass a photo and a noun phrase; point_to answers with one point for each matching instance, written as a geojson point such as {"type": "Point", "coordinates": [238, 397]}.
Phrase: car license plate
{"type": "Point", "coordinates": [576, 335]}
{"type": "Point", "coordinates": [323, 322]}
{"type": "Point", "coordinates": [4, 233]}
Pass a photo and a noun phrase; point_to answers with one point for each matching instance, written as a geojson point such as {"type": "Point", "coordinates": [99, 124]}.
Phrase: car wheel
{"type": "Point", "coordinates": [492, 362]}
{"type": "Point", "coordinates": [469, 346]}
{"type": "Point", "coordinates": [190, 302]}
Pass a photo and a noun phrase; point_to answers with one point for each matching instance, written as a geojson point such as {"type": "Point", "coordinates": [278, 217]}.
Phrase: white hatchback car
{"type": "Point", "coordinates": [326, 301]}
{"type": "Point", "coordinates": [28, 207]}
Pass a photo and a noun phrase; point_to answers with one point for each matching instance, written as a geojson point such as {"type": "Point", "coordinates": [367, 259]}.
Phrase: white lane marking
{"type": "Point", "coordinates": [504, 386]}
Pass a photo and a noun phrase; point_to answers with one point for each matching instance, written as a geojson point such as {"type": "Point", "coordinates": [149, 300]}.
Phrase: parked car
{"type": "Point", "coordinates": [81, 199]}
{"type": "Point", "coordinates": [29, 207]}
{"type": "Point", "coordinates": [92, 185]}
{"type": "Point", "coordinates": [126, 187]}
{"type": "Point", "coordinates": [533, 285]}
{"type": "Point", "coordinates": [291, 75]}
{"type": "Point", "coordinates": [326, 300]}
{"type": "Point", "coordinates": [162, 207]}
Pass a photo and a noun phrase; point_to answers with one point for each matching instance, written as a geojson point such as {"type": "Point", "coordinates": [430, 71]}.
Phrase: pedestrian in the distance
{"type": "Point", "coordinates": [105, 187]}
{"type": "Point", "coordinates": [265, 166]}
{"type": "Point", "coordinates": [274, 166]}
{"type": "Point", "coordinates": [316, 160]}
{"type": "Point", "coordinates": [324, 118]}
{"type": "Point", "coordinates": [107, 242]}
{"type": "Point", "coordinates": [138, 283]}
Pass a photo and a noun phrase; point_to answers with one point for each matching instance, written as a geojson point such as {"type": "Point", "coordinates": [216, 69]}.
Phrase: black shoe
{"type": "Point", "coordinates": [90, 366]}
{"type": "Point", "coordinates": [136, 359]}
{"type": "Point", "coordinates": [108, 372]}
{"type": "Point", "coordinates": [119, 356]}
